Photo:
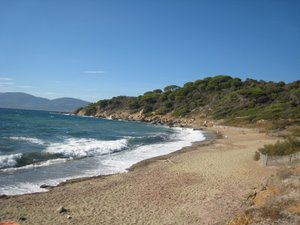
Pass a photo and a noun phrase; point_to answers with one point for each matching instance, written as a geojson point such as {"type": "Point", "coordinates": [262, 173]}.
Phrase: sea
{"type": "Point", "coordinates": [47, 148]}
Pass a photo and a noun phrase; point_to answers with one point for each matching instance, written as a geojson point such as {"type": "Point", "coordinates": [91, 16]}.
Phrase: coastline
{"type": "Point", "coordinates": [182, 137]}
{"type": "Point", "coordinates": [200, 184]}
{"type": "Point", "coordinates": [210, 137]}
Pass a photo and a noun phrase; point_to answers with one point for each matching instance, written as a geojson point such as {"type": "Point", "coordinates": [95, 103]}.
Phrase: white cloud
{"type": "Point", "coordinates": [9, 84]}
{"type": "Point", "coordinates": [23, 86]}
{"type": "Point", "coordinates": [6, 83]}
{"type": "Point", "coordinates": [94, 72]}
{"type": "Point", "coordinates": [6, 79]}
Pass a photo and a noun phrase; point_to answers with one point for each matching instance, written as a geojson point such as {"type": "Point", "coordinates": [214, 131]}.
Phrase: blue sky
{"type": "Point", "coordinates": [94, 49]}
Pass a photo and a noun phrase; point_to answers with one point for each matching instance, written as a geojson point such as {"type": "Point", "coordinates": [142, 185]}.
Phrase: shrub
{"type": "Point", "coordinates": [91, 109]}
{"type": "Point", "coordinates": [147, 109]}
{"type": "Point", "coordinates": [162, 111]}
{"type": "Point", "coordinates": [256, 156]}
{"type": "Point", "coordinates": [252, 92]}
{"type": "Point", "coordinates": [290, 146]}
{"type": "Point", "coordinates": [103, 103]}
{"type": "Point", "coordinates": [168, 104]}
{"type": "Point", "coordinates": [134, 104]}
{"type": "Point", "coordinates": [181, 111]}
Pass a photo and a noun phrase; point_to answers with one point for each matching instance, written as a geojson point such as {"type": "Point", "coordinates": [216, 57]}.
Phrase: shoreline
{"type": "Point", "coordinates": [196, 169]}
{"type": "Point", "coordinates": [208, 135]}
{"type": "Point", "coordinates": [209, 139]}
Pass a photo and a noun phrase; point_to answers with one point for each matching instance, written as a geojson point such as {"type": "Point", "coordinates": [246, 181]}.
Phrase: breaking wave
{"type": "Point", "coordinates": [71, 148]}
{"type": "Point", "coordinates": [84, 147]}
{"type": "Point", "coordinates": [9, 160]}
{"type": "Point", "coordinates": [28, 139]}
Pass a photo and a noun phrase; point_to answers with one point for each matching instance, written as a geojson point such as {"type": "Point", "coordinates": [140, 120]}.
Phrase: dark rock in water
{"type": "Point", "coordinates": [46, 186]}
{"type": "Point", "coordinates": [198, 128]}
{"type": "Point", "coordinates": [170, 124]}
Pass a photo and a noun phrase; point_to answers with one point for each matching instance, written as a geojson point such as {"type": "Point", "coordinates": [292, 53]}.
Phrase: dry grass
{"type": "Point", "coordinates": [279, 203]}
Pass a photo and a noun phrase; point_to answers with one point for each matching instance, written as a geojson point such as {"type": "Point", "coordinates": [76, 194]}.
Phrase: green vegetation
{"type": "Point", "coordinates": [287, 147]}
{"type": "Point", "coordinates": [256, 156]}
{"type": "Point", "coordinates": [220, 97]}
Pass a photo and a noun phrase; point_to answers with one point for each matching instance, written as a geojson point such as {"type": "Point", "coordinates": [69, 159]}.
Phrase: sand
{"type": "Point", "coordinates": [199, 185]}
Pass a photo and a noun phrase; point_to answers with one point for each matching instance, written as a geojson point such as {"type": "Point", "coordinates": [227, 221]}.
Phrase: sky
{"type": "Point", "coordinates": [97, 49]}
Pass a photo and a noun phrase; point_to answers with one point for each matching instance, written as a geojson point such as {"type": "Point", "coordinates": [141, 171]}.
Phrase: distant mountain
{"type": "Point", "coordinates": [18, 100]}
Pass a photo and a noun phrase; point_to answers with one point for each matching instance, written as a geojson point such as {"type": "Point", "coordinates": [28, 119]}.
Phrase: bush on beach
{"type": "Point", "coordinates": [287, 147]}
{"type": "Point", "coordinates": [256, 156]}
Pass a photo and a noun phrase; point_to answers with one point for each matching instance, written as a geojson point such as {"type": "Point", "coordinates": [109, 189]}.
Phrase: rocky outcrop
{"type": "Point", "coordinates": [169, 120]}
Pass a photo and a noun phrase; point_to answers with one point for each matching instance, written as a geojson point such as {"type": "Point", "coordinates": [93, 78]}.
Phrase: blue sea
{"type": "Point", "coordinates": [46, 148]}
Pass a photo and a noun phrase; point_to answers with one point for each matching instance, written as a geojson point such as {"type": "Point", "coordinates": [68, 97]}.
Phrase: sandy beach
{"type": "Point", "coordinates": [202, 184]}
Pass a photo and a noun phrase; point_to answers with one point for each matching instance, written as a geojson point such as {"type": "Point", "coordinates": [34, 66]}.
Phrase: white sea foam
{"type": "Point", "coordinates": [182, 138]}
{"type": "Point", "coordinates": [21, 188]}
{"type": "Point", "coordinates": [83, 147]}
{"type": "Point", "coordinates": [28, 139]}
{"type": "Point", "coordinates": [9, 160]}
{"type": "Point", "coordinates": [35, 165]}
{"type": "Point", "coordinates": [28, 187]}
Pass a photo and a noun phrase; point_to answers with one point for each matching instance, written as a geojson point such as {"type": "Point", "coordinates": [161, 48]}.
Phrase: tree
{"type": "Point", "coordinates": [236, 83]}
{"type": "Point", "coordinates": [171, 88]}
{"type": "Point", "coordinates": [103, 103]}
{"type": "Point", "coordinates": [157, 91]}
{"type": "Point", "coordinates": [188, 85]}
{"type": "Point", "coordinates": [134, 104]}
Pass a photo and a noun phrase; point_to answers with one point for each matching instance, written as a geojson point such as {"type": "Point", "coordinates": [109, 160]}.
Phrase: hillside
{"type": "Point", "coordinates": [220, 97]}
{"type": "Point", "coordinates": [18, 100]}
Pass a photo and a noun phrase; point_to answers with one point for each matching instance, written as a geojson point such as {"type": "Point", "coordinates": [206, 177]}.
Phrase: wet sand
{"type": "Point", "coordinates": [202, 184]}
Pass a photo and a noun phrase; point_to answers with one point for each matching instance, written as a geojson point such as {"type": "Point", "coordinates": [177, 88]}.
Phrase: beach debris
{"type": "Point", "coordinates": [62, 209]}
{"type": "Point", "coordinates": [8, 223]}
{"type": "Point", "coordinates": [69, 217]}
{"type": "Point", "coordinates": [249, 197]}
{"type": "Point", "coordinates": [22, 218]}
{"type": "Point", "coordinates": [169, 161]}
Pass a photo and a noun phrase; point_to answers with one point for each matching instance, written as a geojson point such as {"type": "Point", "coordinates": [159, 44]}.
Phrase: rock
{"type": "Point", "coordinates": [262, 188]}
{"type": "Point", "coordinates": [198, 128]}
{"type": "Point", "coordinates": [3, 196]}
{"type": "Point", "coordinates": [62, 209]}
{"type": "Point", "coordinates": [46, 186]}
{"type": "Point", "coordinates": [250, 195]}
{"type": "Point", "coordinates": [22, 218]}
